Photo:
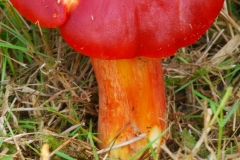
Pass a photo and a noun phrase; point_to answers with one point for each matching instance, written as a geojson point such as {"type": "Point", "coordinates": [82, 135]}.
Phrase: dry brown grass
{"type": "Point", "coordinates": [51, 99]}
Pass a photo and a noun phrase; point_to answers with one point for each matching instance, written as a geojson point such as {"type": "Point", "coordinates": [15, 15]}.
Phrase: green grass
{"type": "Point", "coordinates": [48, 94]}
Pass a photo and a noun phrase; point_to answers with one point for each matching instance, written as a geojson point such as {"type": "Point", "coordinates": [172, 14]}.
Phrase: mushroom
{"type": "Point", "coordinates": [126, 41]}
{"type": "Point", "coordinates": [49, 13]}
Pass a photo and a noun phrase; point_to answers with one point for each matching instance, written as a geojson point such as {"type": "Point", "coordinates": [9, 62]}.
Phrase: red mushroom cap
{"type": "Point", "coordinates": [48, 13]}
{"type": "Point", "coordinates": [115, 29]}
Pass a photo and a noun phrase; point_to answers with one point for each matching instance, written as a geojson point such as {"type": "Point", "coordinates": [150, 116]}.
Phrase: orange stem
{"type": "Point", "coordinates": [131, 102]}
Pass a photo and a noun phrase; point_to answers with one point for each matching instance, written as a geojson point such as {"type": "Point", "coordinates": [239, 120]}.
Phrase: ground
{"type": "Point", "coordinates": [49, 94]}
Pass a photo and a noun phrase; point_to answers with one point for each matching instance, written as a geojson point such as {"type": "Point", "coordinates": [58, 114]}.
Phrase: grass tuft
{"type": "Point", "coordinates": [48, 94]}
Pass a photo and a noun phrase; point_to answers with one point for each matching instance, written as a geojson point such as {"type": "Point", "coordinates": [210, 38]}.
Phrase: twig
{"type": "Point", "coordinates": [17, 146]}
{"type": "Point", "coordinates": [141, 136]}
{"type": "Point", "coordinates": [45, 152]}
{"type": "Point", "coordinates": [165, 148]}
{"type": "Point", "coordinates": [64, 144]}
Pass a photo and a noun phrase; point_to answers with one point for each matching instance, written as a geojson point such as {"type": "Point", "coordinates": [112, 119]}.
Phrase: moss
{"type": "Point", "coordinates": [52, 141]}
{"type": "Point", "coordinates": [171, 81]}
{"type": "Point", "coordinates": [11, 147]}
{"type": "Point", "coordinates": [201, 72]}
{"type": "Point", "coordinates": [189, 141]}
